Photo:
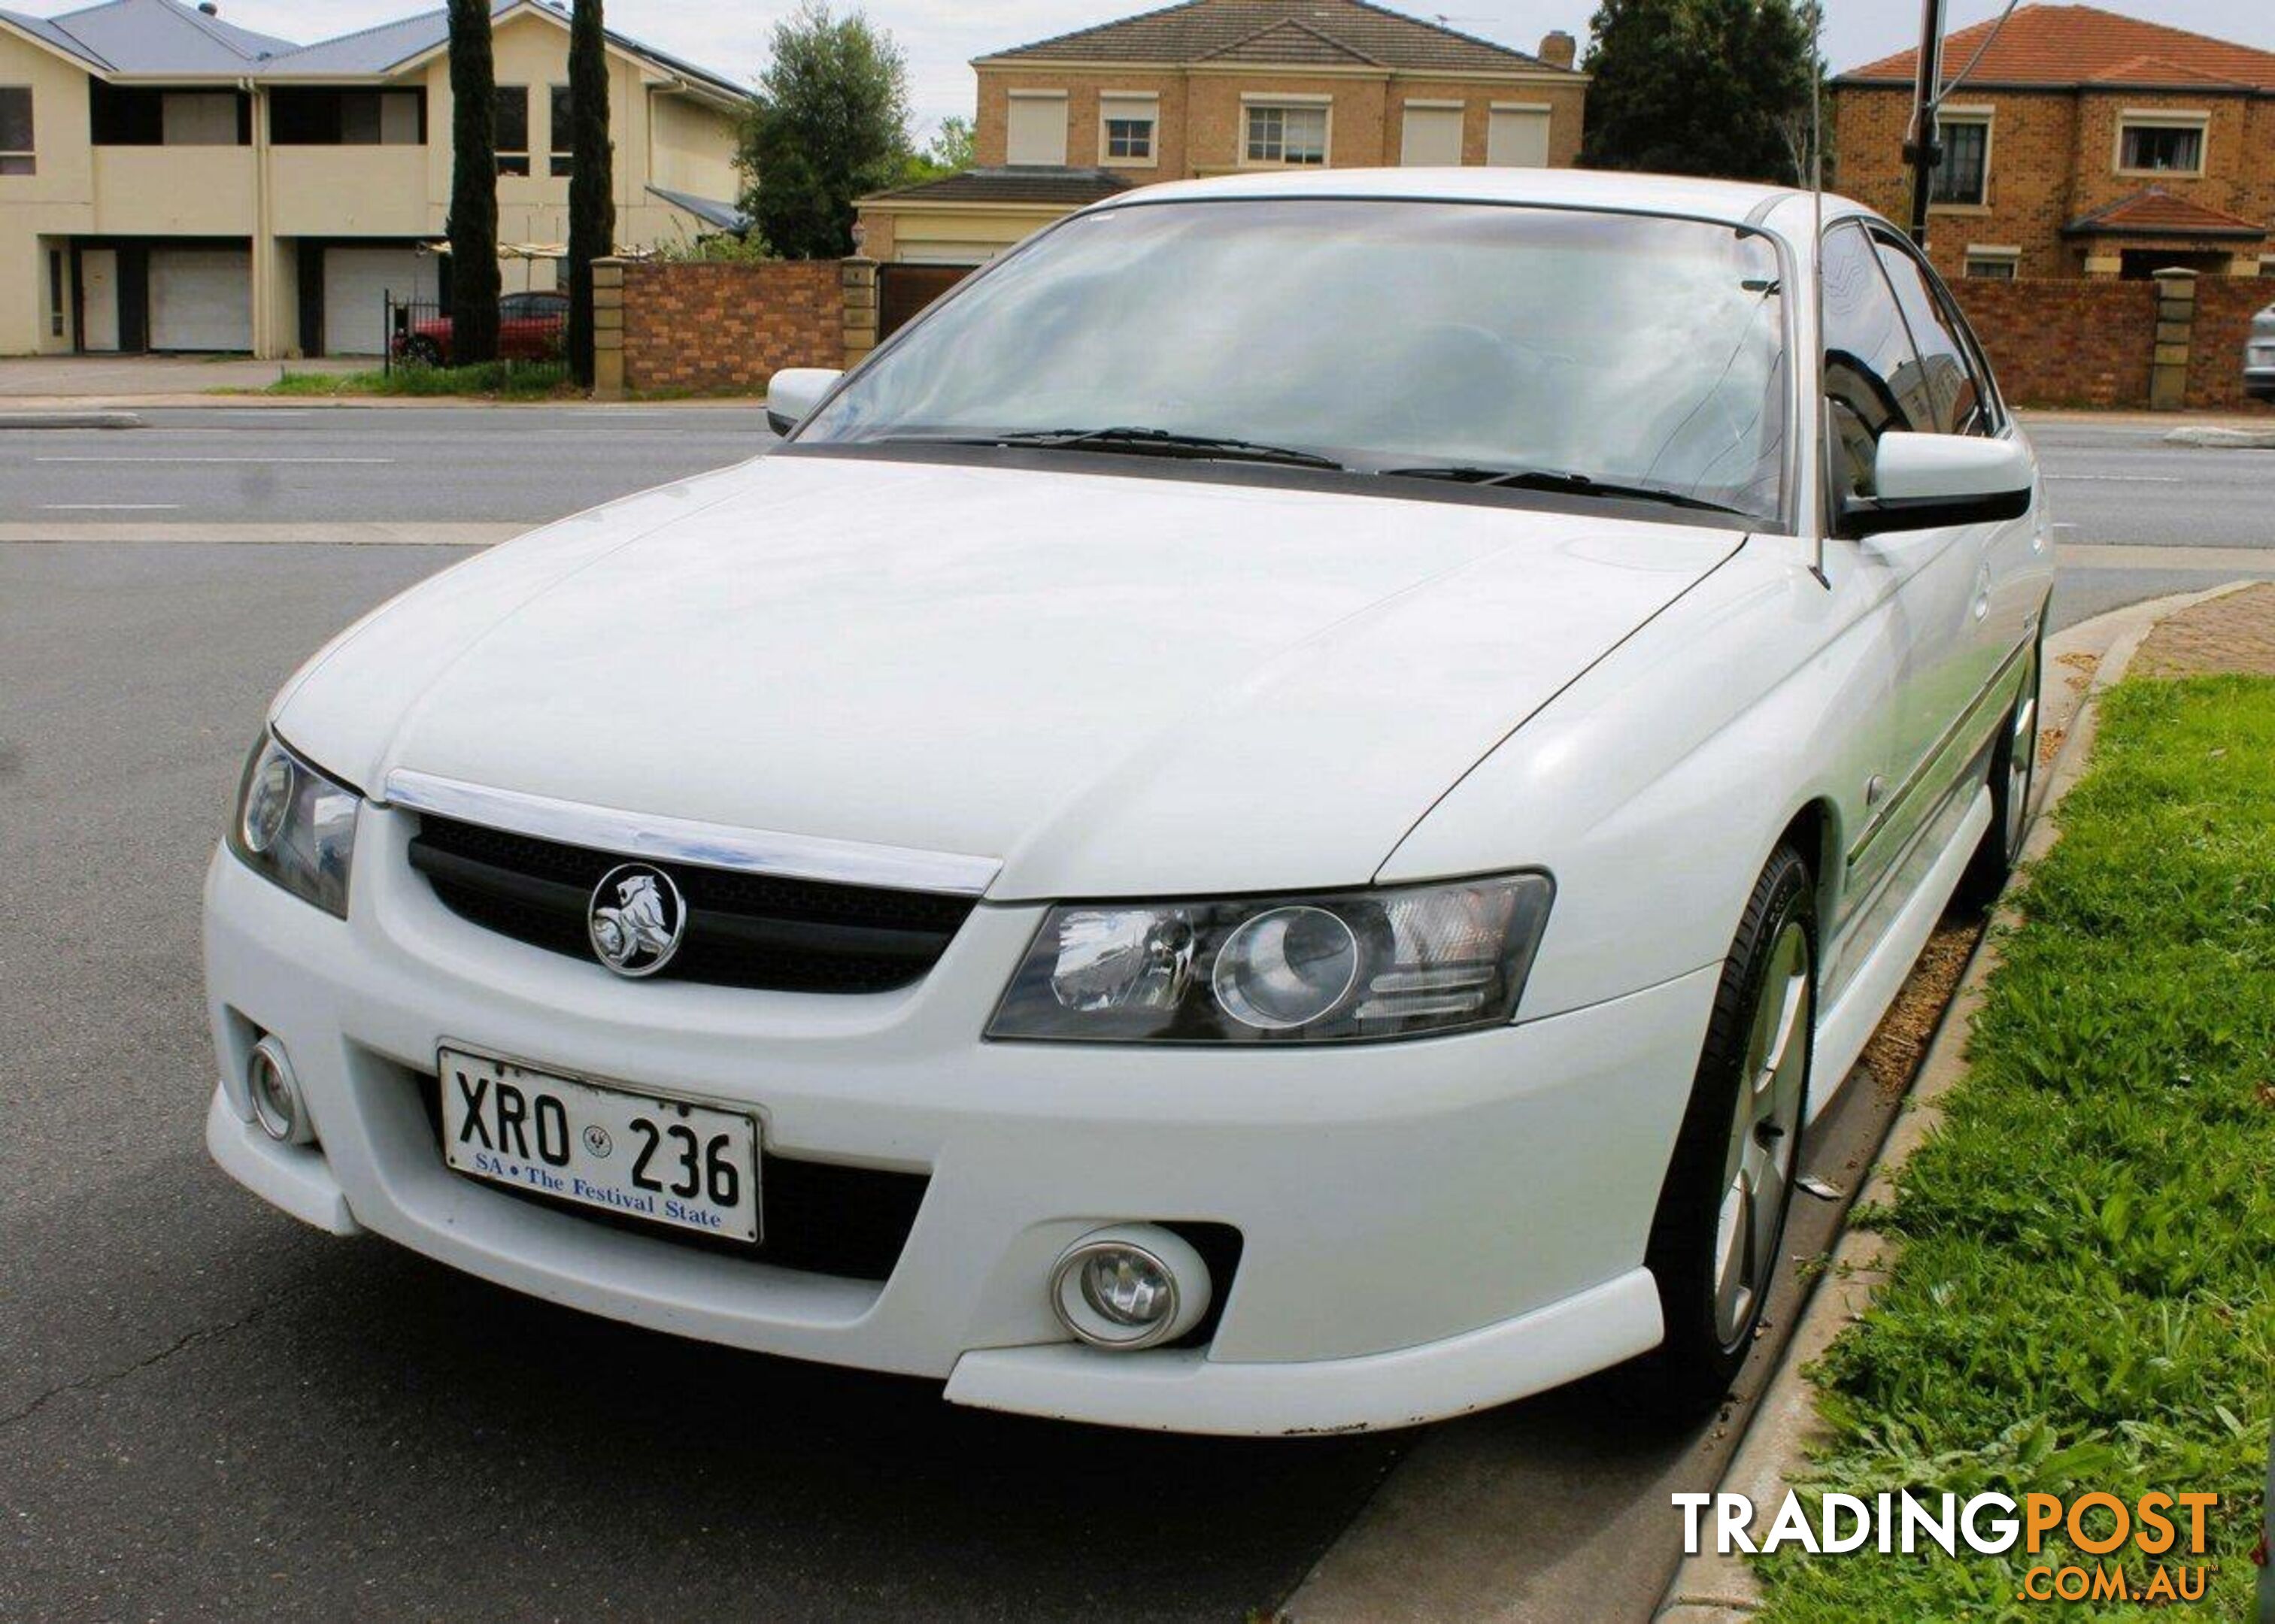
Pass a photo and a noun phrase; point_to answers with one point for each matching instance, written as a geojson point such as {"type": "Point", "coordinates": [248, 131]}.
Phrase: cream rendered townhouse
{"type": "Point", "coordinates": [1216, 87]}
{"type": "Point", "coordinates": [171, 182]}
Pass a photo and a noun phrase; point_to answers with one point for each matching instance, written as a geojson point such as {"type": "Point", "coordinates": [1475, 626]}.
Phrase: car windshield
{"type": "Point", "coordinates": [1578, 350]}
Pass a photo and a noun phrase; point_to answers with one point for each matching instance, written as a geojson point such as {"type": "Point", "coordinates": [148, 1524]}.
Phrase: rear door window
{"type": "Point", "coordinates": [1874, 382]}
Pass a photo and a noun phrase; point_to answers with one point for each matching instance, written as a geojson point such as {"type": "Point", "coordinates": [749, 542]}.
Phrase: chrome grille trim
{"type": "Point", "coordinates": [681, 840]}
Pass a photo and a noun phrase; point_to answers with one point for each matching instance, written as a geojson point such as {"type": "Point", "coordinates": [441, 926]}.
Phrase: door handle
{"type": "Point", "coordinates": [1983, 589]}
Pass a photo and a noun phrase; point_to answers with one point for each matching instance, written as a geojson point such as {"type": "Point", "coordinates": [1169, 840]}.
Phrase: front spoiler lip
{"type": "Point", "coordinates": [1163, 1389]}
{"type": "Point", "coordinates": [1184, 1391]}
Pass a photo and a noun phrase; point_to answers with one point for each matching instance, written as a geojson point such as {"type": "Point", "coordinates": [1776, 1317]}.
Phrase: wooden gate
{"type": "Point", "coordinates": [903, 290]}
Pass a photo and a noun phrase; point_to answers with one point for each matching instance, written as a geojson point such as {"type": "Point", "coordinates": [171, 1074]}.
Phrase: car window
{"type": "Point", "coordinates": [1873, 380]}
{"type": "Point", "coordinates": [1383, 336]}
{"type": "Point", "coordinates": [1961, 403]}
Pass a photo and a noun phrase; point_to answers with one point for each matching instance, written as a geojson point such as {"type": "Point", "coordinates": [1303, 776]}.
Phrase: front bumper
{"type": "Point", "coordinates": [1427, 1227]}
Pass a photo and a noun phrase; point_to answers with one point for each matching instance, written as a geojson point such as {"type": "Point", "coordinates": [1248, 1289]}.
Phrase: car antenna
{"type": "Point", "coordinates": [1816, 258]}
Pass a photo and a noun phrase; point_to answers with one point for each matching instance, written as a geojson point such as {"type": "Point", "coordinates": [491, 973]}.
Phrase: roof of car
{"type": "Point", "coordinates": [1738, 202]}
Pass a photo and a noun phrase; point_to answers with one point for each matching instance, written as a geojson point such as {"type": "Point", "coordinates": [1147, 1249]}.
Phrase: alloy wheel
{"type": "Point", "coordinates": [1765, 1136]}
{"type": "Point", "coordinates": [2022, 760]}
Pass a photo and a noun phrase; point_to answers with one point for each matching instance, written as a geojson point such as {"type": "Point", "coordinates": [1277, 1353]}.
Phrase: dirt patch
{"type": "Point", "coordinates": [1905, 1032]}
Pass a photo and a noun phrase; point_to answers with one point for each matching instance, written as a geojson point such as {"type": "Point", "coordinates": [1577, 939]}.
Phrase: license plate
{"type": "Point", "coordinates": [684, 1167]}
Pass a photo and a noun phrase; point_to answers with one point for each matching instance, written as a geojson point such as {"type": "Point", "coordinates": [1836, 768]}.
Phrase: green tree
{"type": "Point", "coordinates": [1717, 88]}
{"type": "Point", "coordinates": [592, 176]}
{"type": "Point", "coordinates": [473, 185]}
{"type": "Point", "coordinates": [949, 154]}
{"type": "Point", "coordinates": [830, 124]}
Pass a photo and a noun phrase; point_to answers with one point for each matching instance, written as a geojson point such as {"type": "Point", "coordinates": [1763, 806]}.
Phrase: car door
{"type": "Point", "coordinates": [1922, 583]}
{"type": "Point", "coordinates": [2008, 591]}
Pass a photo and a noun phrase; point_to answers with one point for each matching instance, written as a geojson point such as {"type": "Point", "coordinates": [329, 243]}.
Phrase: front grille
{"type": "Point", "coordinates": [742, 930]}
{"type": "Point", "coordinates": [815, 1217]}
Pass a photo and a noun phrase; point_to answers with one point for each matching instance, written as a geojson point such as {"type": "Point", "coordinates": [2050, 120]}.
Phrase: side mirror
{"type": "Point", "coordinates": [793, 393]}
{"type": "Point", "coordinates": [1927, 481]}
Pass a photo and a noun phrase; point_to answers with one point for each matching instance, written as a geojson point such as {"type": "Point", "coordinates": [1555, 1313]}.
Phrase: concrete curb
{"type": "Point", "coordinates": [61, 419]}
{"type": "Point", "coordinates": [2219, 439]}
{"type": "Point", "coordinates": [1774, 1455]}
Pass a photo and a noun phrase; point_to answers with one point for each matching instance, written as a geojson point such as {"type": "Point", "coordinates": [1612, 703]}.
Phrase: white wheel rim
{"type": "Point", "coordinates": [2022, 760]}
{"type": "Point", "coordinates": [1765, 1137]}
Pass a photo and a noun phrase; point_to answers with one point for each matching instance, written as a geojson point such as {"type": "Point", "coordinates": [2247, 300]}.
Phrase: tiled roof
{"type": "Point", "coordinates": [168, 36]}
{"type": "Point", "coordinates": [2066, 46]}
{"type": "Point", "coordinates": [711, 211]}
{"type": "Point", "coordinates": [153, 36]}
{"type": "Point", "coordinates": [2155, 212]}
{"type": "Point", "coordinates": [1014, 183]}
{"type": "Point", "coordinates": [1246, 31]}
{"type": "Point", "coordinates": [1292, 41]}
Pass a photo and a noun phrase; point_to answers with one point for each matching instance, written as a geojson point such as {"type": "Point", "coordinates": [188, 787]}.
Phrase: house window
{"type": "Point", "coordinates": [564, 133]}
{"type": "Point", "coordinates": [513, 129]}
{"type": "Point", "coordinates": [1992, 264]}
{"type": "Point", "coordinates": [1038, 133]}
{"type": "Point", "coordinates": [1126, 127]}
{"type": "Point", "coordinates": [2164, 148]}
{"type": "Point", "coordinates": [1963, 177]}
{"type": "Point", "coordinates": [1516, 136]}
{"type": "Point", "coordinates": [1282, 135]}
{"type": "Point", "coordinates": [1431, 136]}
{"type": "Point", "coordinates": [311, 117]}
{"type": "Point", "coordinates": [16, 129]}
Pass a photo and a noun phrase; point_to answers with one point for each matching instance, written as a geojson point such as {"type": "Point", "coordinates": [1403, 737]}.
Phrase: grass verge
{"type": "Point", "coordinates": [2085, 1298]}
{"type": "Point", "coordinates": [491, 380]}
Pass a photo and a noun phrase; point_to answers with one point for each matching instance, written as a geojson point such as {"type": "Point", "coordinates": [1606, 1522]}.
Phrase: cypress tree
{"type": "Point", "coordinates": [475, 283]}
{"type": "Point", "coordinates": [592, 176]}
{"type": "Point", "coordinates": [1716, 87]}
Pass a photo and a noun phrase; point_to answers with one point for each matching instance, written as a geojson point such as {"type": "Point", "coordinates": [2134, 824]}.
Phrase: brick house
{"type": "Point", "coordinates": [2083, 143]}
{"type": "Point", "coordinates": [1216, 87]}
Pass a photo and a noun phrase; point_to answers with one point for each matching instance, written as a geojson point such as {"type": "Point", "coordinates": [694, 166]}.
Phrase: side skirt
{"type": "Point", "coordinates": [1847, 1024]}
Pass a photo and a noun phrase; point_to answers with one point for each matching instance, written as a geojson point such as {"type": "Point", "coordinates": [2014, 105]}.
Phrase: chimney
{"type": "Point", "coordinates": [1559, 49]}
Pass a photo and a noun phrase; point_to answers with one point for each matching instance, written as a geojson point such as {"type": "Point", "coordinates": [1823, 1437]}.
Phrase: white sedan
{"type": "Point", "coordinates": [1273, 821]}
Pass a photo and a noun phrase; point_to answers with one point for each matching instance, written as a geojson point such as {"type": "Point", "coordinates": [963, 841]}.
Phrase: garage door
{"type": "Point", "coordinates": [200, 299]}
{"type": "Point", "coordinates": [903, 290]}
{"type": "Point", "coordinates": [357, 283]}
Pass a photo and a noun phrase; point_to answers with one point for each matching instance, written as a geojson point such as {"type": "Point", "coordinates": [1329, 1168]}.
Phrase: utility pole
{"type": "Point", "coordinates": [1923, 151]}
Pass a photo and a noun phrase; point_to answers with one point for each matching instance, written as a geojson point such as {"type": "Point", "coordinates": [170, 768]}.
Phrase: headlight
{"type": "Point", "coordinates": [1371, 964]}
{"type": "Point", "coordinates": [296, 826]}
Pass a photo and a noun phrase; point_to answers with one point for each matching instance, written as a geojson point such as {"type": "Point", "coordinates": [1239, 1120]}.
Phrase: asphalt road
{"type": "Point", "coordinates": [2110, 483]}
{"type": "Point", "coordinates": [283, 465]}
{"type": "Point", "coordinates": [207, 1411]}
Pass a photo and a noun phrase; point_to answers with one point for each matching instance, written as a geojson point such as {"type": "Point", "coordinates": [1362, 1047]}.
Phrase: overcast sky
{"type": "Point", "coordinates": [942, 36]}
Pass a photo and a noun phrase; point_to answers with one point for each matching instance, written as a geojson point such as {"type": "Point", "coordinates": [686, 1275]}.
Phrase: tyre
{"type": "Point", "coordinates": [1715, 1239]}
{"type": "Point", "coordinates": [423, 351]}
{"type": "Point", "coordinates": [2014, 771]}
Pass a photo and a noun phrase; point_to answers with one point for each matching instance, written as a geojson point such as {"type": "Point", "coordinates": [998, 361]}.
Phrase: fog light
{"type": "Point", "coordinates": [1133, 1287]}
{"type": "Point", "coordinates": [276, 1094]}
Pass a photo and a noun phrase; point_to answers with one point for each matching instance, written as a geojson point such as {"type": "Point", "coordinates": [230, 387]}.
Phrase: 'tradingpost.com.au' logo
{"type": "Point", "coordinates": [2140, 1547]}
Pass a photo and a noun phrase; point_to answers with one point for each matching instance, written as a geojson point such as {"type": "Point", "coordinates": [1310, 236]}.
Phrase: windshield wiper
{"type": "Point", "coordinates": [1574, 484]}
{"type": "Point", "coordinates": [1145, 442]}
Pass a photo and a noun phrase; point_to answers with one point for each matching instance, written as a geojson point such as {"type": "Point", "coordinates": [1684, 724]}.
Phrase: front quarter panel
{"type": "Point", "coordinates": [1655, 788]}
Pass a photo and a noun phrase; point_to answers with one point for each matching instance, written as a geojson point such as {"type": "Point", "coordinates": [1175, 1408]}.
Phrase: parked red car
{"type": "Point", "coordinates": [532, 327]}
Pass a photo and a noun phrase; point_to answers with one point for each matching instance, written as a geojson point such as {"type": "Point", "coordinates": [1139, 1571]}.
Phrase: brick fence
{"type": "Point", "coordinates": [2121, 346]}
{"type": "Point", "coordinates": [703, 328]}
{"type": "Point", "coordinates": [2224, 307]}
